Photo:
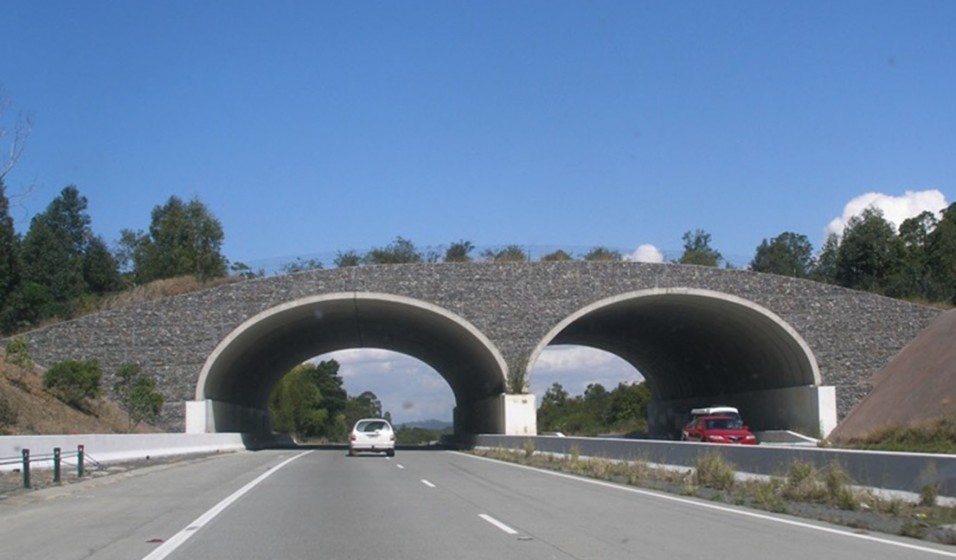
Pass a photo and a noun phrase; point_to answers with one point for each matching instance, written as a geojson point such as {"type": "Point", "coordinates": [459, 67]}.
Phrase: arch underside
{"type": "Point", "coordinates": [249, 364]}
{"type": "Point", "coordinates": [697, 349]}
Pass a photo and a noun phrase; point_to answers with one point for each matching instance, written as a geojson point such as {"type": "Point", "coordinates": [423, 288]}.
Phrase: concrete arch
{"type": "Point", "coordinates": [236, 379]}
{"type": "Point", "coordinates": [698, 347]}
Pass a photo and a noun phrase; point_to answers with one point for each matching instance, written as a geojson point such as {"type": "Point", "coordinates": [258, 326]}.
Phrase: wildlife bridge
{"type": "Point", "coordinates": [790, 353]}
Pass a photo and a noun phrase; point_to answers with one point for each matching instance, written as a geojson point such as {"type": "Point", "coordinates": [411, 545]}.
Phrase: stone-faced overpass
{"type": "Point", "coordinates": [790, 353]}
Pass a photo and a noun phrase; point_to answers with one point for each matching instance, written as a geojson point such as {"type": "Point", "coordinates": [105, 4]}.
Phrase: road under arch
{"type": "Point", "coordinates": [699, 348]}
{"type": "Point", "coordinates": [236, 380]}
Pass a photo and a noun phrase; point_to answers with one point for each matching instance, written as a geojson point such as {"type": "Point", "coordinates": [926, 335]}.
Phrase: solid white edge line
{"type": "Point", "coordinates": [716, 507]}
{"type": "Point", "coordinates": [497, 524]}
{"type": "Point", "coordinates": [428, 484]}
{"type": "Point", "coordinates": [179, 538]}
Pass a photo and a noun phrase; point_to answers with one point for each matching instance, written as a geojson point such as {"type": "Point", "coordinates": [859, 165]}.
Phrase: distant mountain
{"type": "Point", "coordinates": [432, 424]}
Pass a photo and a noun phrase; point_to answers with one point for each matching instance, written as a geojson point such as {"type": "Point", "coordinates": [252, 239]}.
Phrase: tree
{"type": "Point", "coordinates": [100, 271]}
{"type": "Point", "coordinates": [137, 395]}
{"type": "Point", "coordinates": [788, 254]}
{"type": "Point", "coordinates": [53, 250]}
{"type": "Point", "coordinates": [25, 306]}
{"type": "Point", "coordinates": [628, 406]}
{"type": "Point", "coordinates": [296, 404]}
{"type": "Point", "coordinates": [15, 142]}
{"type": "Point", "coordinates": [73, 382]}
{"type": "Point", "coordinates": [697, 249]}
{"type": "Point", "coordinates": [9, 250]}
{"type": "Point", "coordinates": [183, 239]}
{"type": "Point", "coordinates": [555, 396]}
{"type": "Point", "coordinates": [397, 252]}
{"type": "Point", "coordinates": [557, 256]}
{"type": "Point", "coordinates": [553, 407]}
{"type": "Point", "coordinates": [459, 251]}
{"type": "Point", "coordinates": [348, 258]}
{"type": "Point", "coordinates": [310, 402]}
{"type": "Point", "coordinates": [913, 278]}
{"type": "Point", "coordinates": [365, 405]}
{"type": "Point", "coordinates": [824, 269]}
{"type": "Point", "coordinates": [602, 254]}
{"type": "Point", "coordinates": [870, 253]}
{"type": "Point", "coordinates": [511, 253]}
{"type": "Point", "coordinates": [302, 265]}
{"type": "Point", "coordinates": [941, 255]}
{"type": "Point", "coordinates": [242, 270]}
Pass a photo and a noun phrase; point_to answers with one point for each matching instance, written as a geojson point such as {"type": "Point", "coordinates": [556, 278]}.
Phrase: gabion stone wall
{"type": "Point", "coordinates": [852, 334]}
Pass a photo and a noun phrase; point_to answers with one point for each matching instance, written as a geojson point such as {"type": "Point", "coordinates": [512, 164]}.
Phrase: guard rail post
{"type": "Point", "coordinates": [26, 468]}
{"type": "Point", "coordinates": [56, 465]}
{"type": "Point", "coordinates": [79, 461]}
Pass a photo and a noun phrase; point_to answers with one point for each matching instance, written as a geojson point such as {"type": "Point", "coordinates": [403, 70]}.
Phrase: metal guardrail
{"type": "Point", "coordinates": [907, 472]}
{"type": "Point", "coordinates": [26, 460]}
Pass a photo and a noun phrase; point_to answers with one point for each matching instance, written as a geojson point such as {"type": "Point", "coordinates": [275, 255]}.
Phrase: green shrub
{"type": "Point", "coordinates": [927, 495]}
{"type": "Point", "coordinates": [73, 381]}
{"type": "Point", "coordinates": [18, 353]}
{"type": "Point", "coordinates": [710, 469]}
{"type": "Point", "coordinates": [837, 483]}
{"type": "Point", "coordinates": [768, 495]}
{"type": "Point", "coordinates": [803, 483]}
{"type": "Point", "coordinates": [528, 449]}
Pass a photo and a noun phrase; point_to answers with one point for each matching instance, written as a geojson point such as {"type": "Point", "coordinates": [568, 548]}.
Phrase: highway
{"type": "Point", "coordinates": [418, 505]}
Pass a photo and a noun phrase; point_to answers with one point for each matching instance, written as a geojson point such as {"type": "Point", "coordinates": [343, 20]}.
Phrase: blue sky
{"type": "Point", "coordinates": [312, 127]}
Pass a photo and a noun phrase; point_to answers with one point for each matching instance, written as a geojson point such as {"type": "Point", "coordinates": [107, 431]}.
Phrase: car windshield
{"type": "Point", "coordinates": [371, 426]}
{"type": "Point", "coordinates": [724, 424]}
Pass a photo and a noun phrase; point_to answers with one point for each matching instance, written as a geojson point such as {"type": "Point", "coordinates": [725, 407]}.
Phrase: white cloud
{"type": "Point", "coordinates": [566, 357]}
{"type": "Point", "coordinates": [407, 387]}
{"type": "Point", "coordinates": [646, 253]}
{"type": "Point", "coordinates": [896, 209]}
{"type": "Point", "coordinates": [575, 367]}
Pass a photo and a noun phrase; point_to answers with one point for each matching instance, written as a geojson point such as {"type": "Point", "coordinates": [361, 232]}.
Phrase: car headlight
{"type": "Point", "coordinates": [715, 438]}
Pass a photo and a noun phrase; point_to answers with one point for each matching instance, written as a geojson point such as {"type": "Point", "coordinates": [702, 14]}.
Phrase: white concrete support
{"type": "Point", "coordinates": [520, 415]}
{"type": "Point", "coordinates": [809, 410]}
{"type": "Point", "coordinates": [210, 416]}
{"type": "Point", "coordinates": [514, 415]}
{"type": "Point", "coordinates": [197, 417]}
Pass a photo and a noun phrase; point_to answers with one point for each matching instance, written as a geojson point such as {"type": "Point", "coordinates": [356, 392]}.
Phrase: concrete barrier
{"type": "Point", "coordinates": [106, 448]}
{"type": "Point", "coordinates": [903, 472]}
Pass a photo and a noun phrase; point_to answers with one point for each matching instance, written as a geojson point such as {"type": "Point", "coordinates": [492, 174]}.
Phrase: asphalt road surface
{"type": "Point", "coordinates": [419, 505]}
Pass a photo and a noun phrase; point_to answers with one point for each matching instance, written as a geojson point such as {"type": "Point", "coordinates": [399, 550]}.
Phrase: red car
{"type": "Point", "coordinates": [718, 429]}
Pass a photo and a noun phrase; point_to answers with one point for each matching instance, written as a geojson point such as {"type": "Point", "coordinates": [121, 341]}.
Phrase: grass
{"type": "Point", "coordinates": [827, 494]}
{"type": "Point", "coordinates": [712, 471]}
{"type": "Point", "coordinates": [151, 291]}
{"type": "Point", "coordinates": [934, 437]}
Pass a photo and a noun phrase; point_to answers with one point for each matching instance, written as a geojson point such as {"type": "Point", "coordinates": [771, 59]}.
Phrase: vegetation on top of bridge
{"type": "Point", "coordinates": [60, 268]}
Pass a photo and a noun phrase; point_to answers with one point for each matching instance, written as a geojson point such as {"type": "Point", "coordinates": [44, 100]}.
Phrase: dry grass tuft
{"type": "Point", "coordinates": [159, 289]}
{"type": "Point", "coordinates": [713, 471]}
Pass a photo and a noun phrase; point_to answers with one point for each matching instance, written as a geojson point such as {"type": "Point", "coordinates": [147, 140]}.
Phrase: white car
{"type": "Point", "coordinates": [372, 434]}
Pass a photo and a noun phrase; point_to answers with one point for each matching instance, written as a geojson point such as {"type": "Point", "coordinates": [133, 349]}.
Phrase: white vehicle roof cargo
{"type": "Point", "coordinates": [714, 410]}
